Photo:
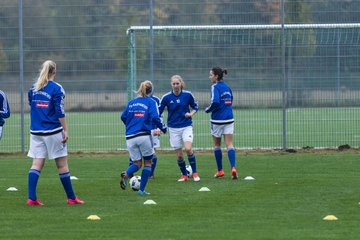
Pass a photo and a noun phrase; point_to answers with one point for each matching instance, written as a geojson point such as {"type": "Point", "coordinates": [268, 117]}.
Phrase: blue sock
{"type": "Point", "coordinates": [133, 168]}
{"type": "Point", "coordinates": [153, 164]}
{"type": "Point", "coordinates": [182, 166]}
{"type": "Point", "coordinates": [32, 183]}
{"type": "Point", "coordinates": [144, 177]}
{"type": "Point", "coordinates": [66, 182]}
{"type": "Point", "coordinates": [218, 158]}
{"type": "Point", "coordinates": [232, 157]}
{"type": "Point", "coordinates": [192, 162]}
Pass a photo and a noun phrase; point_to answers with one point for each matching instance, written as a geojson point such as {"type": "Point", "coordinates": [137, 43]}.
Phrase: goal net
{"type": "Point", "coordinates": [322, 68]}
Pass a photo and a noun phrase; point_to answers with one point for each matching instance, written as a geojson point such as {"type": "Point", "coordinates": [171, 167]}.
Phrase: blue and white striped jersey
{"type": "Point", "coordinates": [4, 108]}
{"type": "Point", "coordinates": [177, 106]}
{"type": "Point", "coordinates": [139, 116]}
{"type": "Point", "coordinates": [221, 104]}
{"type": "Point", "coordinates": [46, 107]}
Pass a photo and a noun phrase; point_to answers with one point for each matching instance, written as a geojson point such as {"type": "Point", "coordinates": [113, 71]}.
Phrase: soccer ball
{"type": "Point", "coordinates": [135, 183]}
{"type": "Point", "coordinates": [189, 170]}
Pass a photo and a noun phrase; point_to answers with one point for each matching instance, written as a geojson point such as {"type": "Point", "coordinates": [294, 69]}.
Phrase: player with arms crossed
{"type": "Point", "coordinates": [180, 123]}
{"type": "Point", "coordinates": [4, 110]}
{"type": "Point", "coordinates": [139, 116]}
{"type": "Point", "coordinates": [222, 120]}
{"type": "Point", "coordinates": [48, 132]}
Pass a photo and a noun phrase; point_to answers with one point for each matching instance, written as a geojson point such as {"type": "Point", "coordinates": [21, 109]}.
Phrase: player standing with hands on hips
{"type": "Point", "coordinates": [4, 110]}
{"type": "Point", "coordinates": [179, 122]}
{"type": "Point", "coordinates": [48, 132]}
{"type": "Point", "coordinates": [222, 120]}
{"type": "Point", "coordinates": [139, 116]}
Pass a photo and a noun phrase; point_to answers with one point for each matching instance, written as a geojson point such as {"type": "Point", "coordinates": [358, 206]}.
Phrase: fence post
{"type": "Point", "coordinates": [132, 64]}
{"type": "Point", "coordinates": [151, 9]}
{"type": "Point", "coordinates": [338, 69]}
{"type": "Point", "coordinates": [283, 77]}
{"type": "Point", "coordinates": [21, 73]}
{"type": "Point", "coordinates": [289, 69]}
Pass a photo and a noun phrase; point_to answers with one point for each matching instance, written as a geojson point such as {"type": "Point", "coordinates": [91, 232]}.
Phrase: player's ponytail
{"type": "Point", "coordinates": [48, 70]}
{"type": "Point", "coordinates": [219, 72]}
{"type": "Point", "coordinates": [145, 88]}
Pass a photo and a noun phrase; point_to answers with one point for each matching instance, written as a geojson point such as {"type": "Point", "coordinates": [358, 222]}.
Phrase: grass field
{"type": "Point", "coordinates": [259, 128]}
{"type": "Point", "coordinates": [288, 199]}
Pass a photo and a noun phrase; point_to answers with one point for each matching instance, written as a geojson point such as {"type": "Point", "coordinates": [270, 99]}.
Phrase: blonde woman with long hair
{"type": "Point", "coordinates": [48, 132]}
{"type": "Point", "coordinates": [139, 117]}
{"type": "Point", "coordinates": [179, 120]}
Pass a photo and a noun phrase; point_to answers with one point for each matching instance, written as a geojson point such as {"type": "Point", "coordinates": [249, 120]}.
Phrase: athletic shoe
{"type": "Point", "coordinates": [123, 180]}
{"type": "Point", "coordinates": [36, 202]}
{"type": "Point", "coordinates": [183, 178]}
{"type": "Point", "coordinates": [234, 175]}
{"type": "Point", "coordinates": [143, 193]}
{"type": "Point", "coordinates": [196, 177]}
{"type": "Point", "coordinates": [219, 173]}
{"type": "Point", "coordinates": [74, 201]}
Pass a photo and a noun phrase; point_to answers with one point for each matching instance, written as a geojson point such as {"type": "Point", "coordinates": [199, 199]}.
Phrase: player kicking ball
{"type": "Point", "coordinates": [139, 116]}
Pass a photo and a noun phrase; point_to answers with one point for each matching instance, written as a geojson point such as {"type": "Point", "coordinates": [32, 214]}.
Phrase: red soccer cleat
{"type": "Point", "coordinates": [183, 178]}
{"type": "Point", "coordinates": [219, 173]}
{"type": "Point", "coordinates": [196, 177]}
{"type": "Point", "coordinates": [75, 201]}
{"type": "Point", "coordinates": [36, 202]}
{"type": "Point", "coordinates": [234, 174]}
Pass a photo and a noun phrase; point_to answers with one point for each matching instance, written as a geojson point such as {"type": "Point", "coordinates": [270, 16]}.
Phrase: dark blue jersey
{"type": "Point", "coordinates": [4, 108]}
{"type": "Point", "coordinates": [177, 106]}
{"type": "Point", "coordinates": [46, 107]}
{"type": "Point", "coordinates": [139, 116]}
{"type": "Point", "coordinates": [221, 104]}
{"type": "Point", "coordinates": [157, 100]}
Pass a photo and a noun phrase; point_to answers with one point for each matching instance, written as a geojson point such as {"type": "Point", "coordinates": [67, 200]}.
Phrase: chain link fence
{"type": "Point", "coordinates": [300, 94]}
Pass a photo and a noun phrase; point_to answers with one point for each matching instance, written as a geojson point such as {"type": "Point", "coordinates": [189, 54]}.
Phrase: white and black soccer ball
{"type": "Point", "coordinates": [134, 183]}
{"type": "Point", "coordinates": [189, 170]}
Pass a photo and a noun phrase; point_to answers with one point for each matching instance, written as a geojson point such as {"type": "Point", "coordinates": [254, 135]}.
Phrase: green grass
{"type": "Point", "coordinates": [257, 128]}
{"type": "Point", "coordinates": [288, 199]}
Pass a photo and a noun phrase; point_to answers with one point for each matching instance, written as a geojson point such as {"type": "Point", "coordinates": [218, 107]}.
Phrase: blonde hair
{"type": "Point", "coordinates": [178, 77]}
{"type": "Point", "coordinates": [145, 88]}
{"type": "Point", "coordinates": [47, 70]}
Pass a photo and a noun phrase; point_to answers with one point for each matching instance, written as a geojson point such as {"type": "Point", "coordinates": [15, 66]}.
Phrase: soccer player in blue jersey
{"type": "Point", "coordinates": [222, 120]}
{"type": "Point", "coordinates": [155, 140]}
{"type": "Point", "coordinates": [179, 121]}
{"type": "Point", "coordinates": [48, 132]}
{"type": "Point", "coordinates": [4, 110]}
{"type": "Point", "coordinates": [139, 116]}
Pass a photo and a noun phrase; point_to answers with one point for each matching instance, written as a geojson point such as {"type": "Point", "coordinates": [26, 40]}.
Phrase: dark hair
{"type": "Point", "coordinates": [219, 72]}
